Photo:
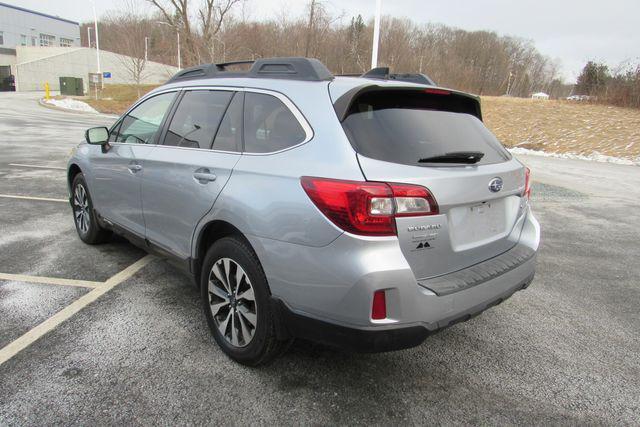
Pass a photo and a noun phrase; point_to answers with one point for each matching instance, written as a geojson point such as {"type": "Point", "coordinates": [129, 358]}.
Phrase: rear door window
{"type": "Point", "coordinates": [229, 136]}
{"type": "Point", "coordinates": [196, 119]}
{"type": "Point", "coordinates": [269, 125]}
{"type": "Point", "coordinates": [408, 126]}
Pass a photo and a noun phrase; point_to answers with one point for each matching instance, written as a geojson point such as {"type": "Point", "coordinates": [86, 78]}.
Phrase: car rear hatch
{"type": "Point", "coordinates": [435, 138]}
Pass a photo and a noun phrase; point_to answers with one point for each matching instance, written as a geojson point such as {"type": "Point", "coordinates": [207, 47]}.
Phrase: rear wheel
{"type": "Point", "coordinates": [84, 216]}
{"type": "Point", "coordinates": [236, 303]}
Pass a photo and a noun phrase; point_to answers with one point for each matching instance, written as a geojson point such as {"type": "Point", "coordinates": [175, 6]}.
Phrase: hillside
{"type": "Point", "coordinates": [564, 126]}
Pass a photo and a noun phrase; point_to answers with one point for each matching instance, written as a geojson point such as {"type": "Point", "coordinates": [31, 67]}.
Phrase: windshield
{"type": "Point", "coordinates": [405, 127]}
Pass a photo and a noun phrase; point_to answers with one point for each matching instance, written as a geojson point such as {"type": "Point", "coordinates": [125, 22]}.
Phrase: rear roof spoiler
{"type": "Point", "coordinates": [343, 104]}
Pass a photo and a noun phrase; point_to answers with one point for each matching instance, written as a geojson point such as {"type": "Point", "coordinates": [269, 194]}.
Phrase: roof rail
{"type": "Point", "coordinates": [293, 68]}
{"type": "Point", "coordinates": [383, 74]}
{"type": "Point", "coordinates": [222, 66]}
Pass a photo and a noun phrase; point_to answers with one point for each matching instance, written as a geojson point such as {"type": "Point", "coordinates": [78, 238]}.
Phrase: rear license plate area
{"type": "Point", "coordinates": [477, 223]}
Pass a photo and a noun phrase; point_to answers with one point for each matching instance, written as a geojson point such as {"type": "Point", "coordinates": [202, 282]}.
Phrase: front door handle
{"type": "Point", "coordinates": [135, 168]}
{"type": "Point", "coordinates": [204, 176]}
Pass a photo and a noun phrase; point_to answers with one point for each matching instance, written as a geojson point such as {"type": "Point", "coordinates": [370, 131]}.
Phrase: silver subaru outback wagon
{"type": "Point", "coordinates": [362, 212]}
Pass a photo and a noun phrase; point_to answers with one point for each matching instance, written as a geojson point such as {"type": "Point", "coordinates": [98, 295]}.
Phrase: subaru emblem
{"type": "Point", "coordinates": [495, 184]}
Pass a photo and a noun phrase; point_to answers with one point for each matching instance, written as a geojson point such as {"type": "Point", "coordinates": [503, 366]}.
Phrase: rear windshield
{"type": "Point", "coordinates": [407, 126]}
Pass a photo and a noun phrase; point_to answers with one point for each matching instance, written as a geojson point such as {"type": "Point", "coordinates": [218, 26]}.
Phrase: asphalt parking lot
{"type": "Point", "coordinates": [124, 340]}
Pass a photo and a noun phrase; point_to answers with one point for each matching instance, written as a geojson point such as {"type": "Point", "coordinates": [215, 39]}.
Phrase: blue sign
{"type": "Point", "coordinates": [106, 75]}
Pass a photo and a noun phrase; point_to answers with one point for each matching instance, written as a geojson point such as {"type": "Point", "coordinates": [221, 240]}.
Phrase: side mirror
{"type": "Point", "coordinates": [97, 136]}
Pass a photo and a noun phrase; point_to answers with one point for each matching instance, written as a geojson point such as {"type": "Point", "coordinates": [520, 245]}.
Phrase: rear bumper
{"type": "Point", "coordinates": [376, 339]}
{"type": "Point", "coordinates": [325, 294]}
{"type": "Point", "coordinates": [383, 338]}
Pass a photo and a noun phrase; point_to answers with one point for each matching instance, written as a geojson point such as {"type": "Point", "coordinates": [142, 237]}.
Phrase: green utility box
{"type": "Point", "coordinates": [71, 86]}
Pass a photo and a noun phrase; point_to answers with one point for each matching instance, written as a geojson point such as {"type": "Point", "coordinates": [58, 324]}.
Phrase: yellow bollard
{"type": "Point", "coordinates": [47, 96]}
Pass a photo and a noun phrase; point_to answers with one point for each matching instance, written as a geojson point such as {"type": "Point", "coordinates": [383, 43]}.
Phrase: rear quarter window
{"type": "Point", "coordinates": [407, 126]}
{"type": "Point", "coordinates": [269, 125]}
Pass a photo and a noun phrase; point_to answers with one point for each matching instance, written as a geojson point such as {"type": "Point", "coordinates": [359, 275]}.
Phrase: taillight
{"type": "Point", "coordinates": [368, 208]}
{"type": "Point", "coordinates": [413, 200]}
{"type": "Point", "coordinates": [379, 306]}
{"type": "Point", "coordinates": [527, 183]}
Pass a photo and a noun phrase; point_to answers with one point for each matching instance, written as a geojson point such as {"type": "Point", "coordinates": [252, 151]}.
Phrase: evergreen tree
{"type": "Point", "coordinates": [592, 79]}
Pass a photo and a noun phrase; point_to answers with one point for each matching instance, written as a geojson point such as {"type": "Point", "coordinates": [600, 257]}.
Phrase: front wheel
{"type": "Point", "coordinates": [84, 216]}
{"type": "Point", "coordinates": [235, 297]}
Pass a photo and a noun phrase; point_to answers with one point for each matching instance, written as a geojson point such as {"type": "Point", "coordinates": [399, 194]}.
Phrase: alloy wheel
{"type": "Point", "coordinates": [232, 302]}
{"type": "Point", "coordinates": [81, 208]}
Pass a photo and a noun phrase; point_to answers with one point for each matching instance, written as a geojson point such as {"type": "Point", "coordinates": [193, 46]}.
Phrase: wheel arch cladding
{"type": "Point", "coordinates": [212, 232]}
{"type": "Point", "coordinates": [74, 170]}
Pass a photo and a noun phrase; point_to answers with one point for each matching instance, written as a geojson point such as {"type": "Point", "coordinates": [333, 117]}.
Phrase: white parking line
{"type": "Point", "coordinates": [49, 280]}
{"type": "Point", "coordinates": [37, 166]}
{"type": "Point", "coordinates": [42, 199]}
{"type": "Point", "coordinates": [54, 321]}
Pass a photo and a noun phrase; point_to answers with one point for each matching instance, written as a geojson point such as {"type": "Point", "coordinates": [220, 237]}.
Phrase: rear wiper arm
{"type": "Point", "coordinates": [466, 157]}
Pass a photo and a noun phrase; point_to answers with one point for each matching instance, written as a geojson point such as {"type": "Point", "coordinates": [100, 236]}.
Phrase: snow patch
{"type": "Point", "coordinates": [71, 104]}
{"type": "Point", "coordinates": [593, 157]}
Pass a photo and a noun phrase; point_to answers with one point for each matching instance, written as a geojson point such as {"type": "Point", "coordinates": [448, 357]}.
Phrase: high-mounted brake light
{"type": "Point", "coordinates": [527, 183]}
{"type": "Point", "coordinates": [368, 208]}
{"type": "Point", "coordinates": [437, 91]}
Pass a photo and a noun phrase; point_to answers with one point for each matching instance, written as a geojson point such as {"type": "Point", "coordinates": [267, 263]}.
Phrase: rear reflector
{"type": "Point", "coordinates": [368, 208]}
{"type": "Point", "coordinates": [379, 306]}
{"type": "Point", "coordinates": [527, 183]}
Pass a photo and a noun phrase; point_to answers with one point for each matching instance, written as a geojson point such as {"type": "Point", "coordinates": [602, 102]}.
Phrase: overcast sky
{"type": "Point", "coordinates": [573, 31]}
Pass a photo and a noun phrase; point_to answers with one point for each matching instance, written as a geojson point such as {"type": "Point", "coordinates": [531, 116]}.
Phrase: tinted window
{"type": "Point", "coordinates": [229, 136]}
{"type": "Point", "coordinates": [196, 119]}
{"type": "Point", "coordinates": [142, 123]}
{"type": "Point", "coordinates": [269, 125]}
{"type": "Point", "coordinates": [115, 132]}
{"type": "Point", "coordinates": [404, 127]}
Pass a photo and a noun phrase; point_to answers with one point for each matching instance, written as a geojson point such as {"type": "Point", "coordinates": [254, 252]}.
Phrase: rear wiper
{"type": "Point", "coordinates": [466, 157]}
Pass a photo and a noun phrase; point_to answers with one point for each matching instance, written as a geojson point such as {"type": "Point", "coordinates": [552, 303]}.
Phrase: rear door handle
{"type": "Point", "coordinates": [204, 177]}
{"type": "Point", "coordinates": [135, 168]}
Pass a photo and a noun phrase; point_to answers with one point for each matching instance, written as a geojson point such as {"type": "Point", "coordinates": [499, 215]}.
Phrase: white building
{"type": "Point", "coordinates": [540, 95]}
{"type": "Point", "coordinates": [24, 27]}
{"type": "Point", "coordinates": [36, 48]}
{"type": "Point", "coordinates": [39, 65]}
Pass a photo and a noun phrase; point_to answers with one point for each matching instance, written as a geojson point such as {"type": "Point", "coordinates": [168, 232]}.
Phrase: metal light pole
{"type": "Point", "coordinates": [376, 35]}
{"type": "Point", "coordinates": [179, 59]}
{"type": "Point", "coordinates": [89, 36]}
{"type": "Point", "coordinates": [224, 48]}
{"type": "Point", "coordinates": [178, 34]}
{"type": "Point", "coordinates": [95, 25]}
{"type": "Point", "coordinates": [146, 40]}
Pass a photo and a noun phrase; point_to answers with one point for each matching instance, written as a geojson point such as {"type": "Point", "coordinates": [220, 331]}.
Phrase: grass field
{"type": "Point", "coordinates": [564, 126]}
{"type": "Point", "coordinates": [115, 99]}
{"type": "Point", "coordinates": [550, 126]}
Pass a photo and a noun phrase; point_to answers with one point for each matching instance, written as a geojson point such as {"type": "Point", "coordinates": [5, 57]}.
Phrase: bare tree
{"type": "Point", "coordinates": [127, 31]}
{"type": "Point", "coordinates": [479, 61]}
{"type": "Point", "coordinates": [312, 9]}
{"type": "Point", "coordinates": [198, 40]}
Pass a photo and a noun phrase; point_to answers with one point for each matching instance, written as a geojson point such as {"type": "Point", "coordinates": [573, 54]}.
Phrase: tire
{"type": "Point", "coordinates": [84, 216]}
{"type": "Point", "coordinates": [239, 313]}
